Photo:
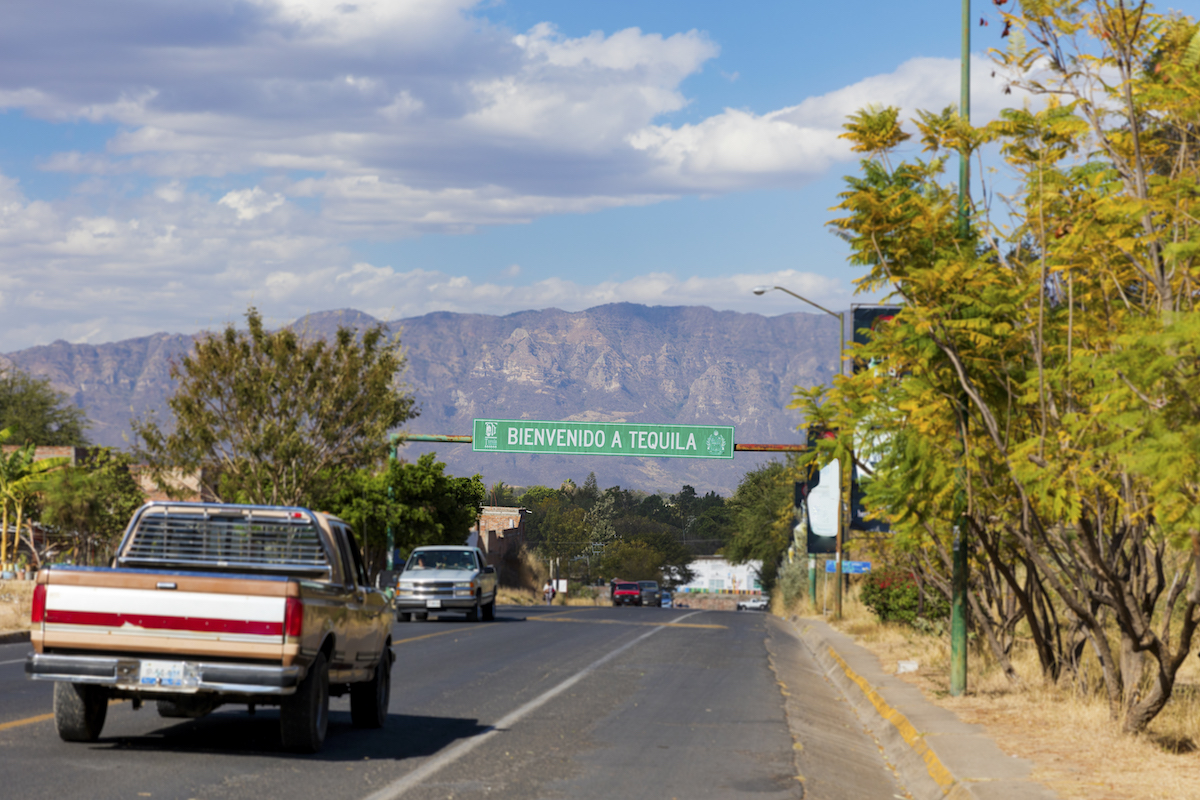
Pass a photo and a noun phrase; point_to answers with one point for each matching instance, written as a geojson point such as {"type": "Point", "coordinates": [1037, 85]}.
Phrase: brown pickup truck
{"type": "Point", "coordinates": [209, 604]}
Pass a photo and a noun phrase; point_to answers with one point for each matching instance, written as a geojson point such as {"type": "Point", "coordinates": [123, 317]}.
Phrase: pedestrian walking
{"type": "Point", "coordinates": [548, 591]}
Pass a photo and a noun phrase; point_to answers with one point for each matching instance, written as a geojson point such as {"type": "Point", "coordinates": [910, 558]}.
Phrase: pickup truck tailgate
{"type": "Point", "coordinates": [154, 611]}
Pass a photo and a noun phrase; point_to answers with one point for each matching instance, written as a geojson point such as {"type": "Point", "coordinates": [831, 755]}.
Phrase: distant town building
{"type": "Point", "coordinates": [179, 485]}
{"type": "Point", "coordinates": [713, 574]}
{"type": "Point", "coordinates": [499, 532]}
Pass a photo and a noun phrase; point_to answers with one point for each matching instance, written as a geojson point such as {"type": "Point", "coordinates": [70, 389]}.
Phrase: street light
{"type": "Point", "coordinates": [841, 318]}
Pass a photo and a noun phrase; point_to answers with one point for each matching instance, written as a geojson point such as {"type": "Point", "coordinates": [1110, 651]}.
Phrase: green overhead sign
{"type": "Point", "coordinates": [602, 438]}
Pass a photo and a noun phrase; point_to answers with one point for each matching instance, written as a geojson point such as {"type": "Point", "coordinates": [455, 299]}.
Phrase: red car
{"type": "Point", "coordinates": [626, 594]}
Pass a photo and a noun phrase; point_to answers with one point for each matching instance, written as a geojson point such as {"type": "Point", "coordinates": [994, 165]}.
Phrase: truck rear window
{"type": "Point", "coordinates": [280, 542]}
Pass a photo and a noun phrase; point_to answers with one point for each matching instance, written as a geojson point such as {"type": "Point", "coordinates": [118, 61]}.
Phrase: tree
{"type": "Point", "coordinates": [419, 502]}
{"type": "Point", "coordinates": [35, 413]}
{"type": "Point", "coordinates": [762, 514]}
{"type": "Point", "coordinates": [1042, 372]}
{"type": "Point", "coordinates": [634, 561]}
{"type": "Point", "coordinates": [22, 475]}
{"type": "Point", "coordinates": [276, 413]}
{"type": "Point", "coordinates": [90, 504]}
{"type": "Point", "coordinates": [434, 508]}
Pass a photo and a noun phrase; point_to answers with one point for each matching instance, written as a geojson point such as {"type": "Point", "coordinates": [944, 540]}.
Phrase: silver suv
{"type": "Point", "coordinates": [441, 578]}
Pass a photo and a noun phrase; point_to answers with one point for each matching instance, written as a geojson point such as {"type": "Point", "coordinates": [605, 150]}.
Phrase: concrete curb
{"type": "Point", "coordinates": [13, 637]}
{"type": "Point", "coordinates": [937, 755]}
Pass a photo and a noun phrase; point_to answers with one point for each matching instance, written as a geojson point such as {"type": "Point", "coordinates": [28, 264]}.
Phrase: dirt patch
{"type": "Point", "coordinates": [15, 599]}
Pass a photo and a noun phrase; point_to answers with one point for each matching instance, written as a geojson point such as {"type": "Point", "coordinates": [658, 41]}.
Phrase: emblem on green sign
{"type": "Point", "coordinates": [716, 444]}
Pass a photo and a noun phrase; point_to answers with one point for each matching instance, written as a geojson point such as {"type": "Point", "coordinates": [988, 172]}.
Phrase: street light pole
{"type": "Point", "coordinates": [843, 504]}
{"type": "Point", "coordinates": [959, 577]}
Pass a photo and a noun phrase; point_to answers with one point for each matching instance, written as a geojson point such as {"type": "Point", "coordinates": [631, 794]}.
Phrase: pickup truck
{"type": "Point", "coordinates": [446, 578]}
{"type": "Point", "coordinates": [209, 604]}
{"type": "Point", "coordinates": [759, 603]}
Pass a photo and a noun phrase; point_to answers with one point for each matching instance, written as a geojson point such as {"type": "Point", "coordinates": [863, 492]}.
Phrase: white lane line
{"type": "Point", "coordinates": [413, 779]}
{"type": "Point", "coordinates": [14, 661]}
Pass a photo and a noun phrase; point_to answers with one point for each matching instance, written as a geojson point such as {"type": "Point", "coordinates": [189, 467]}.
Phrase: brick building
{"type": "Point", "coordinates": [500, 532]}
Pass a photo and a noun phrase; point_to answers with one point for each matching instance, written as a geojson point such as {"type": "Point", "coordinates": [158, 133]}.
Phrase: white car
{"type": "Point", "coordinates": [754, 603]}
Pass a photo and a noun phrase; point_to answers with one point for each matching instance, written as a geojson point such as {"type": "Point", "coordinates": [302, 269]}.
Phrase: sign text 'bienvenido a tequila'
{"type": "Point", "coordinates": [602, 438]}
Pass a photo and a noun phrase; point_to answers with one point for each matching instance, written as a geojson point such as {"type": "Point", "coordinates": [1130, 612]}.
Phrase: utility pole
{"type": "Point", "coordinates": [958, 605]}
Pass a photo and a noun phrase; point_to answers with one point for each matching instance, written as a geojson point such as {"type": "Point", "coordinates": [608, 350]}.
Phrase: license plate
{"type": "Point", "coordinates": [161, 673]}
{"type": "Point", "coordinates": [433, 603]}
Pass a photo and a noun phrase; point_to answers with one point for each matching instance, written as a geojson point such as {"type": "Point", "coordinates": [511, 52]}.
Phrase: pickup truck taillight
{"type": "Point", "coordinates": [293, 616]}
{"type": "Point", "coordinates": [38, 610]}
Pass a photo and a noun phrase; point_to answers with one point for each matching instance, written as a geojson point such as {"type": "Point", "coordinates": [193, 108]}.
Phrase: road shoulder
{"type": "Point", "coordinates": [936, 754]}
{"type": "Point", "coordinates": [834, 752]}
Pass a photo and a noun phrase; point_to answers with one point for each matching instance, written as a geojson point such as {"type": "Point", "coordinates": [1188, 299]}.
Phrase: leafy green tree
{"type": "Point", "coordinates": [22, 475]}
{"type": "Point", "coordinates": [500, 494]}
{"type": "Point", "coordinates": [90, 504]}
{"type": "Point", "coordinates": [761, 510]}
{"type": "Point", "coordinates": [434, 508]}
{"type": "Point", "coordinates": [275, 413]}
{"type": "Point", "coordinates": [35, 413]}
{"type": "Point", "coordinates": [418, 501]}
{"type": "Point", "coordinates": [674, 555]}
{"type": "Point", "coordinates": [535, 495]}
{"type": "Point", "coordinates": [634, 561]}
{"type": "Point", "coordinates": [1041, 375]}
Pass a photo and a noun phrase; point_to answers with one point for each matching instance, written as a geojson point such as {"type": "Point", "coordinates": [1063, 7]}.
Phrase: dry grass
{"type": "Point", "coordinates": [508, 596]}
{"type": "Point", "coordinates": [15, 597]}
{"type": "Point", "coordinates": [1077, 750]}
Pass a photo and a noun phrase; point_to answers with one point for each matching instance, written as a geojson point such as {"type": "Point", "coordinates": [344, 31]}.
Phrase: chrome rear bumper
{"type": "Point", "coordinates": [123, 673]}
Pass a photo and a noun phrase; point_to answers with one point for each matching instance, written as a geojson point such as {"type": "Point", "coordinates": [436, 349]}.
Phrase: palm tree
{"type": "Point", "coordinates": [21, 475]}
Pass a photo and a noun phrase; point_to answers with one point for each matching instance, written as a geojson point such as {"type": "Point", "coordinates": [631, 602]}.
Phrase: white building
{"type": "Point", "coordinates": [715, 574]}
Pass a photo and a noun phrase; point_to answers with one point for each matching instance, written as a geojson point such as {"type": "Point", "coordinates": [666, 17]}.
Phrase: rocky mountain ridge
{"type": "Point", "coordinates": [615, 363]}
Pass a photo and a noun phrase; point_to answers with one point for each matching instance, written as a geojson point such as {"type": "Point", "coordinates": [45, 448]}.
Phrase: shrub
{"type": "Point", "coordinates": [893, 595]}
{"type": "Point", "coordinates": [792, 581]}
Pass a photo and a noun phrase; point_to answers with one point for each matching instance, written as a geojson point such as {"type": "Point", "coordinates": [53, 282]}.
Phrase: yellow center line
{"type": "Point", "coordinates": [557, 614]}
{"type": "Point", "coordinates": [426, 636]}
{"type": "Point", "coordinates": [17, 723]}
{"type": "Point", "coordinates": [27, 721]}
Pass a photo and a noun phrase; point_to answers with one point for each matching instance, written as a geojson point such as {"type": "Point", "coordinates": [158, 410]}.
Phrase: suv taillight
{"type": "Point", "coordinates": [38, 611]}
{"type": "Point", "coordinates": [293, 616]}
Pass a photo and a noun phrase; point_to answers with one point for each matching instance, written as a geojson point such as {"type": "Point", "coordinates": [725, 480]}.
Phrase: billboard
{"type": "Point", "coordinates": [818, 501]}
{"type": "Point", "coordinates": [866, 321]}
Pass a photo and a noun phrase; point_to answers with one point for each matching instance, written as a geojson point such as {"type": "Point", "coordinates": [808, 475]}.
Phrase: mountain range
{"type": "Point", "coordinates": [613, 363]}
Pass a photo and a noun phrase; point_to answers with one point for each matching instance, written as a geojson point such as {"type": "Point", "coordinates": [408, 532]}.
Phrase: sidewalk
{"type": "Point", "coordinates": [936, 754]}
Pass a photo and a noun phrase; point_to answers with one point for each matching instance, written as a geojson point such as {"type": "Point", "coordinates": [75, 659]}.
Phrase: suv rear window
{"type": "Point", "coordinates": [627, 587]}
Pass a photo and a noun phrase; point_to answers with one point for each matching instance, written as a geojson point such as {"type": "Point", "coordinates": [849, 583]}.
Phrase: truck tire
{"type": "Point", "coordinates": [79, 711]}
{"type": "Point", "coordinates": [304, 716]}
{"type": "Point", "coordinates": [369, 700]}
{"type": "Point", "coordinates": [489, 611]}
{"type": "Point", "coordinates": [420, 616]}
{"type": "Point", "coordinates": [404, 616]}
{"type": "Point", "coordinates": [473, 614]}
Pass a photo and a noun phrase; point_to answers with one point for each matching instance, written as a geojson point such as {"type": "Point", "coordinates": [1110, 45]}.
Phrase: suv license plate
{"type": "Point", "coordinates": [161, 673]}
{"type": "Point", "coordinates": [433, 603]}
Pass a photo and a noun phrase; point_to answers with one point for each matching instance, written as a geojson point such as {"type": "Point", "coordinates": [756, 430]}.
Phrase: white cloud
{"type": "Point", "coordinates": [250, 203]}
{"type": "Point", "coordinates": [741, 150]}
{"type": "Point", "coordinates": [179, 266]}
{"type": "Point", "coordinates": [252, 140]}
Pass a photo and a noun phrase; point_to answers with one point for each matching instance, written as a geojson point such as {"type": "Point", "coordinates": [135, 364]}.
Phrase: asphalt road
{"type": "Point", "coordinates": [542, 703]}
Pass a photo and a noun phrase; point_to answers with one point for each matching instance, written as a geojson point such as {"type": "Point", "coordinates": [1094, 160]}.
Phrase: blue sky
{"type": "Point", "coordinates": [165, 165]}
